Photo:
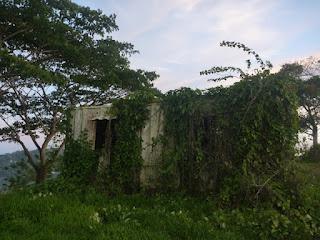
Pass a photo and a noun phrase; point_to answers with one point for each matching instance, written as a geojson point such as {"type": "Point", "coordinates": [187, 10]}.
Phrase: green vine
{"type": "Point", "coordinates": [80, 162]}
{"type": "Point", "coordinates": [126, 161]}
{"type": "Point", "coordinates": [229, 141]}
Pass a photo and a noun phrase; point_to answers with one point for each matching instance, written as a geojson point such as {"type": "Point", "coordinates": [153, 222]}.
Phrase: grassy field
{"type": "Point", "coordinates": [93, 216]}
{"type": "Point", "coordinates": [43, 215]}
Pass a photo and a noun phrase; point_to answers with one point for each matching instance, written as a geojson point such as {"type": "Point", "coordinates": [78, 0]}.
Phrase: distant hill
{"type": "Point", "coordinates": [6, 160]}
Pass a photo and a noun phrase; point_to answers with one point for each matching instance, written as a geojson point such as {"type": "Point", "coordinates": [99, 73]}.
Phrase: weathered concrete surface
{"type": "Point", "coordinates": [151, 148]}
{"type": "Point", "coordinates": [84, 120]}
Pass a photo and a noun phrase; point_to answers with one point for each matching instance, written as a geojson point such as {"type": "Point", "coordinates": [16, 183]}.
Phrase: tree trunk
{"type": "Point", "coordinates": [41, 174]}
{"type": "Point", "coordinates": [315, 135]}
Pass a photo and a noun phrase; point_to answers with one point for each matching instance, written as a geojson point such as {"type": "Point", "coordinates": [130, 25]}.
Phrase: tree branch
{"type": "Point", "coordinates": [16, 138]}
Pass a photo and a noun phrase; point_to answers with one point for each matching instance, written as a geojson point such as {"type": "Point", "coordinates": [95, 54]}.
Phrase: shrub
{"type": "Point", "coordinates": [80, 162]}
{"type": "Point", "coordinates": [123, 174]}
{"type": "Point", "coordinates": [313, 154]}
{"type": "Point", "coordinates": [239, 138]}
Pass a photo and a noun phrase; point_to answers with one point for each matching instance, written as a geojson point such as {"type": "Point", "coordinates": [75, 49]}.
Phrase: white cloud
{"type": "Point", "coordinates": [299, 59]}
{"type": "Point", "coordinates": [179, 38]}
{"type": "Point", "coordinates": [188, 5]}
{"type": "Point", "coordinates": [192, 39]}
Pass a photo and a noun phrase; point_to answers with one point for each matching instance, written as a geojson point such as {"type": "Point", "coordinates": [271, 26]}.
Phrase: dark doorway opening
{"type": "Point", "coordinates": [105, 138]}
{"type": "Point", "coordinates": [101, 127]}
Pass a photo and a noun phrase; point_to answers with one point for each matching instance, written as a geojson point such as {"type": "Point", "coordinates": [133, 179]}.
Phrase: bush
{"type": "Point", "coordinates": [239, 138]}
{"type": "Point", "coordinates": [80, 162]}
{"type": "Point", "coordinates": [313, 154]}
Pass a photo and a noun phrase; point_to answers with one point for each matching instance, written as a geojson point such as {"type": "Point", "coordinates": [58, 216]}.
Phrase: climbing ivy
{"type": "Point", "coordinates": [123, 174]}
{"type": "Point", "coordinates": [80, 162]}
{"type": "Point", "coordinates": [229, 141]}
{"type": "Point", "coordinates": [233, 142]}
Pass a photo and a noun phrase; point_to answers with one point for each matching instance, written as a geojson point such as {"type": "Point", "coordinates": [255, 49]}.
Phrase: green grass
{"type": "Point", "coordinates": [28, 215]}
{"type": "Point", "coordinates": [311, 171]}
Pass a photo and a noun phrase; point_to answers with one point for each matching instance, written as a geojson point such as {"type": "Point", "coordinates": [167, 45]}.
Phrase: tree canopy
{"type": "Point", "coordinates": [306, 75]}
{"type": "Point", "coordinates": [55, 55]}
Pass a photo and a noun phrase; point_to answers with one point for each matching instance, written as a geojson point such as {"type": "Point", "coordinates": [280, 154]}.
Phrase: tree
{"type": "Point", "coordinates": [310, 101]}
{"type": "Point", "coordinates": [55, 55]}
{"type": "Point", "coordinates": [306, 75]}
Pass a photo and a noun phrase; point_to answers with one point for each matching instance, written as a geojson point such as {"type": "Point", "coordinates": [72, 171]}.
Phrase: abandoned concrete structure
{"type": "Point", "coordinates": [99, 124]}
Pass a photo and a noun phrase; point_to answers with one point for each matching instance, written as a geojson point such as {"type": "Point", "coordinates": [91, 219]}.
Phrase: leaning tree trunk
{"type": "Point", "coordinates": [41, 174]}
{"type": "Point", "coordinates": [315, 135]}
{"type": "Point", "coordinates": [42, 169]}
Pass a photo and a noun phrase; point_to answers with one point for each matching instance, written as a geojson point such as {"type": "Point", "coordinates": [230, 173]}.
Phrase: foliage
{"type": "Point", "coordinates": [306, 76]}
{"type": "Point", "coordinates": [224, 73]}
{"type": "Point", "coordinates": [242, 134]}
{"type": "Point", "coordinates": [70, 39]}
{"type": "Point", "coordinates": [312, 154]}
{"type": "Point", "coordinates": [80, 163]}
{"type": "Point", "coordinates": [23, 175]}
{"type": "Point", "coordinates": [310, 101]}
{"type": "Point", "coordinates": [123, 173]}
{"type": "Point", "coordinates": [14, 171]}
{"type": "Point", "coordinates": [51, 215]}
{"type": "Point", "coordinates": [233, 142]}
{"type": "Point", "coordinates": [56, 55]}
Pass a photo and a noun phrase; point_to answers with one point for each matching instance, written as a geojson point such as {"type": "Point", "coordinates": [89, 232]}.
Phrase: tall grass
{"type": "Point", "coordinates": [39, 214]}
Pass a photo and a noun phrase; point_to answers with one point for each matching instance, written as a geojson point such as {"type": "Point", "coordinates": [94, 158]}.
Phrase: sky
{"type": "Point", "coordinates": [180, 38]}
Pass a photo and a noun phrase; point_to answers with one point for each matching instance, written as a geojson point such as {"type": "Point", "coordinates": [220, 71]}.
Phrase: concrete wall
{"type": "Point", "coordinates": [84, 120]}
{"type": "Point", "coordinates": [151, 148]}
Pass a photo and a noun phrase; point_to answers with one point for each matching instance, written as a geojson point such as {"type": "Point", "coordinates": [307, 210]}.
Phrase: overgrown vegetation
{"type": "Point", "coordinates": [306, 76]}
{"type": "Point", "coordinates": [234, 146]}
{"type": "Point", "coordinates": [80, 163]}
{"type": "Point", "coordinates": [120, 172]}
{"type": "Point", "coordinates": [123, 172]}
{"type": "Point", "coordinates": [55, 55]}
{"type": "Point", "coordinates": [42, 214]}
{"type": "Point", "coordinates": [312, 154]}
{"type": "Point", "coordinates": [236, 143]}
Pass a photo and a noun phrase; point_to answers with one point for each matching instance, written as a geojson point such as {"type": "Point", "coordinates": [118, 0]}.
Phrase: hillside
{"type": "Point", "coordinates": [6, 160]}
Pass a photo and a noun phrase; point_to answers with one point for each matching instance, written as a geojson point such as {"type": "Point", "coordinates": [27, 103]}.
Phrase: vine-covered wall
{"type": "Point", "coordinates": [229, 141]}
{"type": "Point", "coordinates": [123, 173]}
